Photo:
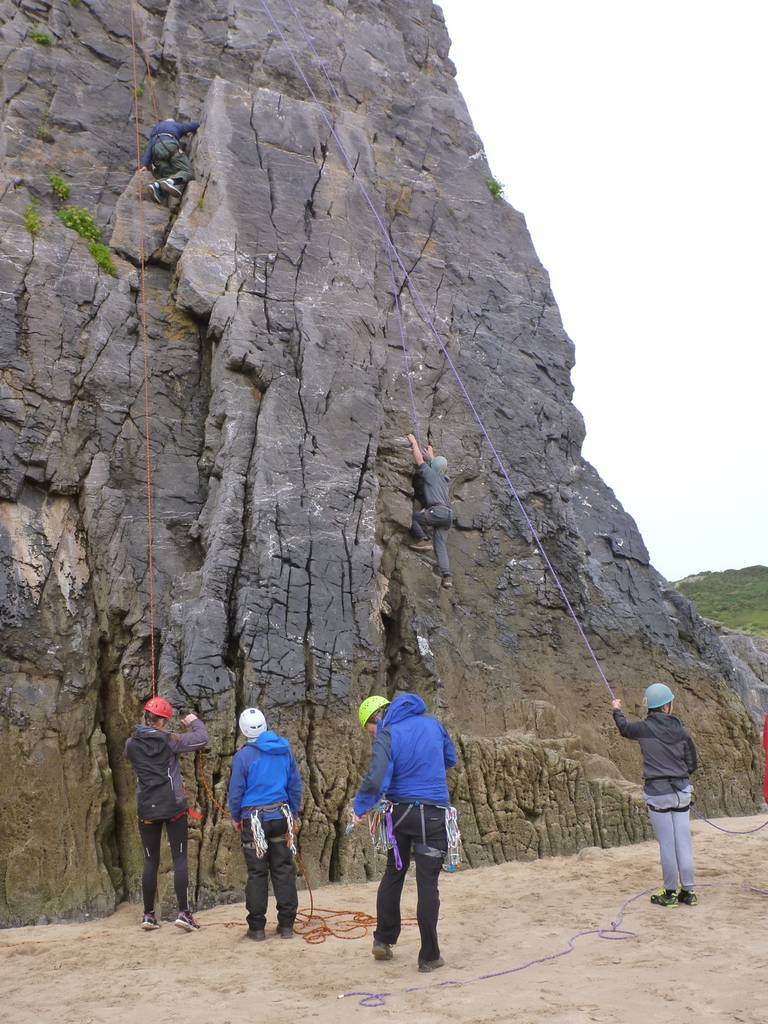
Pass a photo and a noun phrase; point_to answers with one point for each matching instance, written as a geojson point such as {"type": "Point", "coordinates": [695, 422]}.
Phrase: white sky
{"type": "Point", "coordinates": [632, 136]}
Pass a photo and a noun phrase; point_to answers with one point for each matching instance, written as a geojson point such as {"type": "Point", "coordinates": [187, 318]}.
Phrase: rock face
{"type": "Point", "coordinates": [281, 480]}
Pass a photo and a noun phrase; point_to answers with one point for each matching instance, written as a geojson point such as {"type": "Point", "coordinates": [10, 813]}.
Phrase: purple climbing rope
{"type": "Point", "coordinates": [729, 831]}
{"type": "Point", "coordinates": [615, 934]}
{"type": "Point", "coordinates": [424, 314]}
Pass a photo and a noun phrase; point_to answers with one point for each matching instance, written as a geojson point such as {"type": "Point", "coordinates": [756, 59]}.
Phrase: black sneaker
{"type": "Point", "coordinates": [169, 185]}
{"type": "Point", "coordinates": [186, 921]}
{"type": "Point", "coordinates": [425, 966]}
{"type": "Point", "coordinates": [154, 188]}
{"type": "Point", "coordinates": [665, 898]}
{"type": "Point", "coordinates": [382, 950]}
{"type": "Point", "coordinates": [150, 923]}
{"type": "Point", "coordinates": [688, 897]}
{"type": "Point", "coordinates": [257, 934]}
{"type": "Point", "coordinates": [285, 931]}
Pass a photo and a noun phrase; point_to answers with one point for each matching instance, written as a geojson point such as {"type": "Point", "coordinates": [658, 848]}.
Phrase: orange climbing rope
{"type": "Point", "coordinates": [143, 303]}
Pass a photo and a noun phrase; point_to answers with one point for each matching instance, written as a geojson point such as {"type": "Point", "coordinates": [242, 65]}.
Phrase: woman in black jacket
{"type": "Point", "coordinates": [154, 753]}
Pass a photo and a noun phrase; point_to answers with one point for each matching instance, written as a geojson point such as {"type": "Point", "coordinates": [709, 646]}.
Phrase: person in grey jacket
{"type": "Point", "coordinates": [669, 758]}
{"type": "Point", "coordinates": [154, 750]}
{"type": "Point", "coordinates": [432, 491]}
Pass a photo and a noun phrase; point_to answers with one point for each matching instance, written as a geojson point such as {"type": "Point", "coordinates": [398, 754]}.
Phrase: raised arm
{"type": "Point", "coordinates": [195, 739]}
{"type": "Point", "coordinates": [418, 458]}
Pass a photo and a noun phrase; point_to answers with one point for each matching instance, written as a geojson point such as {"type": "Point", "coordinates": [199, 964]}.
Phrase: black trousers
{"type": "Point", "coordinates": [277, 862]}
{"type": "Point", "coordinates": [408, 833]}
{"type": "Point", "coordinates": [151, 833]}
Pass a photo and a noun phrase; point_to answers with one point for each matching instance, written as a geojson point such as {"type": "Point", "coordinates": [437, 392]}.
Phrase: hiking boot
{"type": "Point", "coordinates": [665, 898]}
{"type": "Point", "coordinates": [382, 950]}
{"type": "Point", "coordinates": [154, 188]}
{"type": "Point", "coordinates": [170, 186]}
{"type": "Point", "coordinates": [150, 923]}
{"type": "Point", "coordinates": [688, 897]}
{"type": "Point", "coordinates": [425, 966]}
{"type": "Point", "coordinates": [446, 582]}
{"type": "Point", "coordinates": [257, 934]}
{"type": "Point", "coordinates": [421, 545]}
{"type": "Point", "coordinates": [285, 931]}
{"type": "Point", "coordinates": [186, 921]}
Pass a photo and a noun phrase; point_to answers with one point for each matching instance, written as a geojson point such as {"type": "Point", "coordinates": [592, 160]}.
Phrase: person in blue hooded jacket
{"type": "Point", "coordinates": [165, 157]}
{"type": "Point", "coordinates": [264, 784]}
{"type": "Point", "coordinates": [410, 755]}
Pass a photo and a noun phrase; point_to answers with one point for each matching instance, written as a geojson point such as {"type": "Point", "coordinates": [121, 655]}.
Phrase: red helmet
{"type": "Point", "coordinates": [159, 706]}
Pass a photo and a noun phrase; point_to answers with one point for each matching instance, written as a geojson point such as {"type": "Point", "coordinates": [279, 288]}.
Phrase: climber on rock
{"type": "Point", "coordinates": [264, 800]}
{"type": "Point", "coordinates": [669, 757]}
{"type": "Point", "coordinates": [409, 758]}
{"type": "Point", "coordinates": [166, 159]}
{"type": "Point", "coordinates": [431, 489]}
{"type": "Point", "coordinates": [154, 753]}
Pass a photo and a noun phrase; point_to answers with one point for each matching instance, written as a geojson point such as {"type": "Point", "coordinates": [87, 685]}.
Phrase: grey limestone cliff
{"type": "Point", "coordinates": [281, 479]}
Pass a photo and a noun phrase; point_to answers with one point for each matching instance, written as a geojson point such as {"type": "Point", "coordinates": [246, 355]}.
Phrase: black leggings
{"type": "Point", "coordinates": [151, 833]}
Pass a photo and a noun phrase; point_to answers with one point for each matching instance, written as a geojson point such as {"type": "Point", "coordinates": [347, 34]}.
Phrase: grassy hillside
{"type": "Point", "coordinates": [737, 597]}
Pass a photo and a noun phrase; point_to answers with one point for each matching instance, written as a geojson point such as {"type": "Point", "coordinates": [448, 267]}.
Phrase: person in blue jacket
{"type": "Point", "coordinates": [167, 160]}
{"type": "Point", "coordinates": [264, 801]}
{"type": "Point", "coordinates": [410, 754]}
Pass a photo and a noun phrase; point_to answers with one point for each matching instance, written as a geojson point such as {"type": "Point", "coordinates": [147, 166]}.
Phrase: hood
{"type": "Point", "coordinates": [405, 706]}
{"type": "Point", "coordinates": [665, 727]}
{"type": "Point", "coordinates": [270, 743]}
{"type": "Point", "coordinates": [149, 739]}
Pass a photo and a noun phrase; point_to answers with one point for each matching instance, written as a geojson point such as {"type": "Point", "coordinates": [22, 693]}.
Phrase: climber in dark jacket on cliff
{"type": "Point", "coordinates": [431, 488]}
{"type": "Point", "coordinates": [154, 753]}
{"type": "Point", "coordinates": [167, 160]}
{"type": "Point", "coordinates": [264, 800]}
{"type": "Point", "coordinates": [669, 757]}
{"type": "Point", "coordinates": [410, 754]}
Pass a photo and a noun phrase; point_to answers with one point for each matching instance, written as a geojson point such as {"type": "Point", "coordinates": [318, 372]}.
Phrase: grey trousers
{"type": "Point", "coordinates": [438, 519]}
{"type": "Point", "coordinates": [673, 831]}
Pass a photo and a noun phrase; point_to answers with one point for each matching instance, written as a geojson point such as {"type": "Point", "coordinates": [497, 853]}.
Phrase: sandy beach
{"type": "Point", "coordinates": [682, 964]}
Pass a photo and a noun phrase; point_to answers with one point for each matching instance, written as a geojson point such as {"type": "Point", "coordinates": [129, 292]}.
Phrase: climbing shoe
{"type": "Point", "coordinates": [150, 923]}
{"type": "Point", "coordinates": [186, 921]}
{"type": "Point", "coordinates": [425, 966]}
{"type": "Point", "coordinates": [447, 582]}
{"type": "Point", "coordinates": [665, 898]}
{"type": "Point", "coordinates": [285, 931]}
{"type": "Point", "coordinates": [421, 545]}
{"type": "Point", "coordinates": [688, 897]}
{"type": "Point", "coordinates": [382, 950]}
{"type": "Point", "coordinates": [170, 186]}
{"type": "Point", "coordinates": [257, 934]}
{"type": "Point", "coordinates": [154, 188]}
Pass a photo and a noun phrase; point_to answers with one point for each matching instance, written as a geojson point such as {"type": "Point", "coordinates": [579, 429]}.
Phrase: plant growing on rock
{"type": "Point", "coordinates": [81, 221]}
{"type": "Point", "coordinates": [75, 3]}
{"type": "Point", "coordinates": [495, 187]}
{"type": "Point", "coordinates": [32, 221]}
{"type": "Point", "coordinates": [59, 186]}
{"type": "Point", "coordinates": [40, 37]}
{"type": "Point", "coordinates": [102, 257]}
{"type": "Point", "coordinates": [139, 90]}
{"type": "Point", "coordinates": [43, 132]}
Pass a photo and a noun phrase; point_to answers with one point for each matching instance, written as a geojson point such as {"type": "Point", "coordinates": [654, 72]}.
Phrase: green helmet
{"type": "Point", "coordinates": [369, 707]}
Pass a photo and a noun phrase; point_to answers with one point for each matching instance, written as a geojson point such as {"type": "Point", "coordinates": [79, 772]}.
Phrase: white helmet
{"type": "Point", "coordinates": [252, 723]}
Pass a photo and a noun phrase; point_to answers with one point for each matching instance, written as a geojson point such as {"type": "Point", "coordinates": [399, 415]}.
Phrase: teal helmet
{"type": "Point", "coordinates": [657, 695]}
{"type": "Point", "coordinates": [440, 464]}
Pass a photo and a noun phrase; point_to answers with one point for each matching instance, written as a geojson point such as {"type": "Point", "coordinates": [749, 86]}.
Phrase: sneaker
{"type": "Point", "coordinates": [421, 545]}
{"type": "Point", "coordinates": [169, 185]}
{"type": "Point", "coordinates": [186, 921]}
{"type": "Point", "coordinates": [425, 966]}
{"type": "Point", "coordinates": [688, 897]}
{"type": "Point", "coordinates": [150, 923]}
{"type": "Point", "coordinates": [154, 188]}
{"type": "Point", "coordinates": [447, 582]}
{"type": "Point", "coordinates": [257, 934]}
{"type": "Point", "coordinates": [382, 950]}
{"type": "Point", "coordinates": [665, 898]}
{"type": "Point", "coordinates": [285, 931]}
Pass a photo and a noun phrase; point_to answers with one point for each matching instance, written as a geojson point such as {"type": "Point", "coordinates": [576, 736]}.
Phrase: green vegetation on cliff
{"type": "Point", "coordinates": [737, 597]}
